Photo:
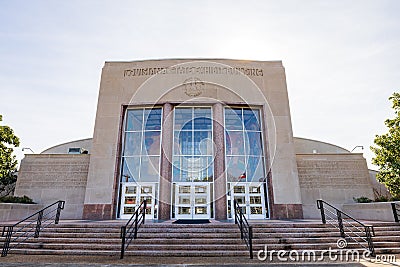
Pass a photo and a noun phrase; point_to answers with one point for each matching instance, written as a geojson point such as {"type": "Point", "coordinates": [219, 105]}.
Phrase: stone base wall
{"type": "Point", "coordinates": [17, 211]}
{"type": "Point", "coordinates": [47, 178]}
{"type": "Point", "coordinates": [377, 211]}
{"type": "Point", "coordinates": [335, 178]}
{"type": "Point", "coordinates": [98, 212]}
{"type": "Point", "coordinates": [286, 211]}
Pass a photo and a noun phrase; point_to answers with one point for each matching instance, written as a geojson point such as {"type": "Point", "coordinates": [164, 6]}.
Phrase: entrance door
{"type": "Point", "coordinates": [192, 200]}
{"type": "Point", "coordinates": [133, 194]}
{"type": "Point", "coordinates": [250, 197]}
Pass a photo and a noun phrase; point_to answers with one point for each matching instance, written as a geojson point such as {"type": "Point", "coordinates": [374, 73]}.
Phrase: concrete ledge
{"type": "Point", "coordinates": [376, 211]}
{"type": "Point", "coordinates": [17, 211]}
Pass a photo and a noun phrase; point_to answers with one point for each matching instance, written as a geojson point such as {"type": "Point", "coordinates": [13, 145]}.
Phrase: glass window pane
{"type": "Point", "coordinates": [184, 210]}
{"type": "Point", "coordinates": [256, 210]}
{"type": "Point", "coordinates": [240, 200]}
{"type": "Point", "coordinates": [239, 189]}
{"type": "Point", "coordinates": [234, 143]}
{"type": "Point", "coordinates": [202, 143]}
{"type": "Point", "coordinates": [180, 173]}
{"type": "Point", "coordinates": [130, 200]}
{"type": "Point", "coordinates": [149, 200]}
{"type": "Point", "coordinates": [255, 200]}
{"type": "Point", "coordinates": [151, 143]}
{"type": "Point", "coordinates": [201, 123]}
{"type": "Point", "coordinates": [184, 200]}
{"type": "Point", "coordinates": [183, 119]}
{"type": "Point", "coordinates": [202, 112]}
{"type": "Point", "coordinates": [129, 210]}
{"type": "Point", "coordinates": [130, 190]}
{"type": "Point", "coordinates": [236, 169]}
{"type": "Point", "coordinates": [253, 143]}
{"type": "Point", "coordinates": [130, 169]}
{"type": "Point", "coordinates": [146, 190]}
{"type": "Point", "coordinates": [251, 120]}
{"type": "Point", "coordinates": [210, 170]}
{"type": "Point", "coordinates": [152, 118]}
{"type": "Point", "coordinates": [255, 169]}
{"type": "Point", "coordinates": [132, 143]}
{"type": "Point", "coordinates": [200, 189]}
{"type": "Point", "coordinates": [134, 120]}
{"type": "Point", "coordinates": [184, 189]}
{"type": "Point", "coordinates": [233, 119]}
{"type": "Point", "coordinates": [200, 200]}
{"type": "Point", "coordinates": [255, 189]}
{"type": "Point", "coordinates": [195, 168]}
{"type": "Point", "coordinates": [185, 142]}
{"type": "Point", "coordinates": [201, 210]}
{"type": "Point", "coordinates": [149, 169]}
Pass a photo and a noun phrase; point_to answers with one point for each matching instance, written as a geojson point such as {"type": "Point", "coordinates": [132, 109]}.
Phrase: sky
{"type": "Point", "coordinates": [342, 59]}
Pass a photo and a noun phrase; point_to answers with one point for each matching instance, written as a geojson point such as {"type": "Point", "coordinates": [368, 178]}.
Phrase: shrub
{"type": "Point", "coordinates": [381, 199]}
{"type": "Point", "coordinates": [362, 200]}
{"type": "Point", "coordinates": [395, 198]}
{"type": "Point", "coordinates": [16, 199]}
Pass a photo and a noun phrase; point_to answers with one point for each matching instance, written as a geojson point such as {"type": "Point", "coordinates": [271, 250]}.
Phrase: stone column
{"type": "Point", "coordinates": [219, 163]}
{"type": "Point", "coordinates": [164, 198]}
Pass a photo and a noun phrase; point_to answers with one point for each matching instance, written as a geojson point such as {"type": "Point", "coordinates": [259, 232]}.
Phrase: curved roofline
{"type": "Point", "coordinates": [198, 58]}
{"type": "Point", "coordinates": [84, 139]}
{"type": "Point", "coordinates": [322, 142]}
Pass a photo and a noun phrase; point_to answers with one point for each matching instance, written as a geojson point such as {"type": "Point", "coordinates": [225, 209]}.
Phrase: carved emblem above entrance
{"type": "Point", "coordinates": [194, 86]}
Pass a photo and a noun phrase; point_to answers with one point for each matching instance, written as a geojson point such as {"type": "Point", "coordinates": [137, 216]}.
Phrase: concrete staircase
{"type": "Point", "coordinates": [215, 239]}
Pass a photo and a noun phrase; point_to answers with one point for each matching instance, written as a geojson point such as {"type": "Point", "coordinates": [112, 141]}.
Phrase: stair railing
{"type": "Point", "coordinates": [396, 211]}
{"type": "Point", "coordinates": [30, 226]}
{"type": "Point", "coordinates": [349, 227]}
{"type": "Point", "coordinates": [246, 231]}
{"type": "Point", "coordinates": [130, 229]}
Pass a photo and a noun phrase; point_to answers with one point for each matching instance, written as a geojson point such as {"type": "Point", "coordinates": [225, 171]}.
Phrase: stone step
{"type": "Point", "coordinates": [143, 230]}
{"type": "Point", "coordinates": [147, 253]}
{"type": "Point", "coordinates": [166, 241]}
{"type": "Point", "coordinates": [316, 240]}
{"type": "Point", "coordinates": [133, 246]}
{"type": "Point", "coordinates": [214, 239]}
{"type": "Point", "coordinates": [156, 246]}
{"type": "Point", "coordinates": [179, 253]}
{"type": "Point", "coordinates": [231, 235]}
{"type": "Point", "coordinates": [89, 241]}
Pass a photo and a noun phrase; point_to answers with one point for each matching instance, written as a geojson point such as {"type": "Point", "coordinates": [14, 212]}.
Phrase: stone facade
{"type": "Point", "coordinates": [336, 178]}
{"type": "Point", "coordinates": [17, 211]}
{"type": "Point", "coordinates": [298, 171]}
{"type": "Point", "coordinates": [261, 83]}
{"type": "Point", "coordinates": [47, 178]}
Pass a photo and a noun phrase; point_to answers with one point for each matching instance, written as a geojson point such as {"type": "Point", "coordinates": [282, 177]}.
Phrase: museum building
{"type": "Point", "coordinates": [191, 136]}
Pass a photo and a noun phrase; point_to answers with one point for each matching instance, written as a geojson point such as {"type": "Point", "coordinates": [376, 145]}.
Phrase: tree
{"type": "Point", "coordinates": [8, 163]}
{"type": "Point", "coordinates": [387, 152]}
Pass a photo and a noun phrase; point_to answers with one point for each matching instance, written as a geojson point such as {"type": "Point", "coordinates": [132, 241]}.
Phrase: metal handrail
{"type": "Point", "coordinates": [130, 229]}
{"type": "Point", "coordinates": [246, 231]}
{"type": "Point", "coordinates": [32, 228]}
{"type": "Point", "coordinates": [396, 211]}
{"type": "Point", "coordinates": [348, 225]}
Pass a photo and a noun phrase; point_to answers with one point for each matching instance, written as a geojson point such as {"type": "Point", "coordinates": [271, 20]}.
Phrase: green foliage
{"type": "Point", "coordinates": [8, 163]}
{"type": "Point", "coordinates": [15, 199]}
{"type": "Point", "coordinates": [362, 200]}
{"type": "Point", "coordinates": [387, 152]}
{"type": "Point", "coordinates": [397, 198]}
{"type": "Point", "coordinates": [381, 199]}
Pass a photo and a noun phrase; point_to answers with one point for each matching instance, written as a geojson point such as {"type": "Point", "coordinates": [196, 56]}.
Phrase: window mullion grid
{"type": "Point", "coordinates": [244, 144]}
{"type": "Point", "coordinates": [141, 146]}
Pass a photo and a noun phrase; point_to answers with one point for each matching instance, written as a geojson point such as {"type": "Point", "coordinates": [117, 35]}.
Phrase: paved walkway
{"type": "Point", "coordinates": [69, 261]}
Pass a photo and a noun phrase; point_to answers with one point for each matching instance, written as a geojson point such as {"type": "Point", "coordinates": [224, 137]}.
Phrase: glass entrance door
{"type": "Point", "coordinates": [133, 194]}
{"type": "Point", "coordinates": [250, 197]}
{"type": "Point", "coordinates": [192, 201]}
